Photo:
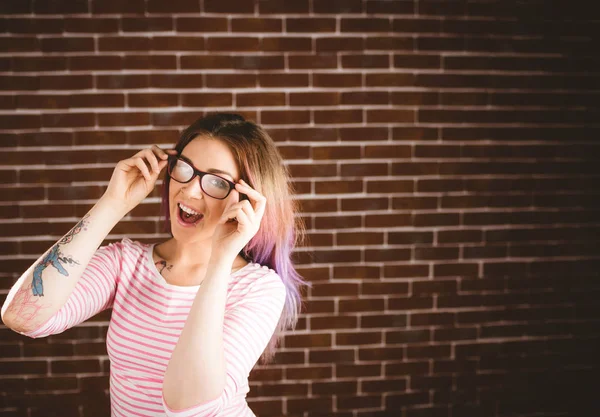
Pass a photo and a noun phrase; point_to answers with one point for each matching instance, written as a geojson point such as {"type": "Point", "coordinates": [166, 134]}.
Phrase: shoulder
{"type": "Point", "coordinates": [125, 248]}
{"type": "Point", "coordinates": [267, 283]}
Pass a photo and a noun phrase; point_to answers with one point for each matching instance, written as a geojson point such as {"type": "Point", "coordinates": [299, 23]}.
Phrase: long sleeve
{"type": "Point", "coordinates": [93, 293]}
{"type": "Point", "coordinates": [248, 327]}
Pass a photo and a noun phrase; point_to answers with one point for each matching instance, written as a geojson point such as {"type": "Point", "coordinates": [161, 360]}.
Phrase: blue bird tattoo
{"type": "Point", "coordinates": [55, 258]}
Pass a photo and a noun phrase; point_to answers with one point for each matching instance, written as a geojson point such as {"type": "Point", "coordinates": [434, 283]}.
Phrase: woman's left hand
{"type": "Point", "coordinates": [239, 222]}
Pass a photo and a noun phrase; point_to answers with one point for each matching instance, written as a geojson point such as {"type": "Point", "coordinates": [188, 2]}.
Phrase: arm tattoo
{"type": "Point", "coordinates": [56, 258]}
{"type": "Point", "coordinates": [25, 308]}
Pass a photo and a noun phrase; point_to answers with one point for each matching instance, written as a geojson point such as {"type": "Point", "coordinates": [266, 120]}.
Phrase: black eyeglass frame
{"type": "Point", "coordinates": [173, 159]}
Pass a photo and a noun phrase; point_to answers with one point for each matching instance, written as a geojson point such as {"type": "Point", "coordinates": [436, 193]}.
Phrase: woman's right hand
{"type": "Point", "coordinates": [134, 178]}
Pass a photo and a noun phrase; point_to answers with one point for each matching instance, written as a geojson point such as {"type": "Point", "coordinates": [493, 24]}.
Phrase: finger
{"type": "Point", "coordinates": [243, 206]}
{"type": "Point", "coordinates": [139, 162]}
{"type": "Point", "coordinates": [237, 214]}
{"type": "Point", "coordinates": [159, 152]}
{"type": "Point", "coordinates": [259, 201]}
{"type": "Point", "coordinates": [228, 215]}
{"type": "Point", "coordinates": [233, 197]}
{"type": "Point", "coordinates": [151, 157]}
{"type": "Point", "coordinates": [248, 209]}
{"type": "Point", "coordinates": [254, 195]}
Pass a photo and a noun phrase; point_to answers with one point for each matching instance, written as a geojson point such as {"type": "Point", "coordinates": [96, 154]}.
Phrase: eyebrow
{"type": "Point", "coordinates": [218, 171]}
{"type": "Point", "coordinates": [211, 170]}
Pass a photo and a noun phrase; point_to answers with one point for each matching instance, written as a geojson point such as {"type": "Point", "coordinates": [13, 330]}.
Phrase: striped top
{"type": "Point", "coordinates": [147, 318]}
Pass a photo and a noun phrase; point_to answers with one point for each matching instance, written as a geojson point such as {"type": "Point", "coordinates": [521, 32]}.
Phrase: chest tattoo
{"type": "Point", "coordinates": [162, 265]}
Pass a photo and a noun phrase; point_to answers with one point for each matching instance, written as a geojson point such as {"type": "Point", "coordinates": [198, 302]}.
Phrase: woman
{"type": "Point", "coordinates": [192, 315]}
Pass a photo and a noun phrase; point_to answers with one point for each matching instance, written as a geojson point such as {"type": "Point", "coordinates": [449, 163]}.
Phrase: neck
{"type": "Point", "coordinates": [188, 256]}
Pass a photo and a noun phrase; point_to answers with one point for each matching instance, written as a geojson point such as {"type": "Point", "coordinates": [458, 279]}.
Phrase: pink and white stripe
{"type": "Point", "coordinates": [147, 318]}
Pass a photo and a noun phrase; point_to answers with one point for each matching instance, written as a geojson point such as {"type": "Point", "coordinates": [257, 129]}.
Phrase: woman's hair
{"type": "Point", "coordinates": [261, 166]}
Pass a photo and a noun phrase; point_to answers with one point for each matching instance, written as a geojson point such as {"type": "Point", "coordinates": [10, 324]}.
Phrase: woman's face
{"type": "Point", "coordinates": [206, 154]}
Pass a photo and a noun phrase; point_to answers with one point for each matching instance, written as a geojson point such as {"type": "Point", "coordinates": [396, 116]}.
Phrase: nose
{"type": "Point", "coordinates": [193, 188]}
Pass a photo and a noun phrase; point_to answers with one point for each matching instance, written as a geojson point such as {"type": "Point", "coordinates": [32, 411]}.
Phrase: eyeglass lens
{"type": "Point", "coordinates": [211, 184]}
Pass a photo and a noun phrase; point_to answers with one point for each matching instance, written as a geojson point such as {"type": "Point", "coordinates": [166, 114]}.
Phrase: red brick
{"type": "Point", "coordinates": [336, 387]}
{"type": "Point", "coordinates": [65, 82]}
{"type": "Point", "coordinates": [395, 401]}
{"type": "Point", "coordinates": [370, 169]}
{"type": "Point", "coordinates": [149, 62]}
{"type": "Point", "coordinates": [357, 402]}
{"type": "Point", "coordinates": [283, 80]}
{"type": "Point", "coordinates": [388, 220]}
{"type": "Point", "coordinates": [309, 404]}
{"type": "Point", "coordinates": [388, 384]}
{"type": "Point", "coordinates": [206, 61]}
{"type": "Point", "coordinates": [258, 62]}
{"type": "Point", "coordinates": [309, 372]}
{"type": "Point", "coordinates": [117, 7]}
{"type": "Point", "coordinates": [412, 133]}
{"type": "Point", "coordinates": [365, 97]}
{"type": "Point", "coordinates": [255, 25]}
{"type": "Point", "coordinates": [331, 323]}
{"type": "Point", "coordinates": [359, 238]}
{"type": "Point", "coordinates": [365, 204]}
{"type": "Point", "coordinates": [392, 79]}
{"type": "Point", "coordinates": [38, 64]}
{"type": "Point", "coordinates": [260, 99]}
{"type": "Point", "coordinates": [383, 320]}
{"type": "Point", "coordinates": [284, 117]}
{"type": "Point", "coordinates": [174, 118]}
{"type": "Point", "coordinates": [16, 7]}
{"type": "Point", "coordinates": [125, 81]}
{"type": "Point", "coordinates": [173, 6]}
{"type": "Point", "coordinates": [337, 80]}
{"type": "Point", "coordinates": [285, 44]}
{"type": "Point", "coordinates": [16, 367]}
{"type": "Point", "coordinates": [294, 152]}
{"type": "Point", "coordinates": [124, 119]}
{"type": "Point", "coordinates": [390, 7]}
{"type": "Point", "coordinates": [193, 81]}
{"type": "Point", "coordinates": [230, 81]}
{"type": "Point", "coordinates": [334, 289]}
{"type": "Point", "coordinates": [229, 6]}
{"type": "Point", "coordinates": [91, 25]}
{"type": "Point", "coordinates": [318, 206]}
{"type": "Point", "coordinates": [338, 116]}
{"type": "Point", "coordinates": [361, 25]}
{"type": "Point", "coordinates": [68, 120]}
{"type": "Point", "coordinates": [314, 99]}
{"type": "Point", "coordinates": [152, 136]}
{"type": "Point", "coordinates": [319, 170]}
{"type": "Point", "coordinates": [361, 338]}
{"type": "Point", "coordinates": [317, 61]}
{"type": "Point", "coordinates": [310, 25]}
{"type": "Point", "coordinates": [358, 370]}
{"type": "Point", "coordinates": [332, 187]}
{"type": "Point", "coordinates": [84, 63]}
{"type": "Point", "coordinates": [360, 305]}
{"type": "Point", "coordinates": [361, 134]}
{"type": "Point", "coordinates": [355, 272]}
{"type": "Point", "coordinates": [74, 366]}
{"type": "Point", "coordinates": [153, 100]}
{"type": "Point", "coordinates": [232, 44]}
{"type": "Point", "coordinates": [336, 44]}
{"type": "Point", "coordinates": [394, 43]}
{"type": "Point", "coordinates": [337, 6]}
{"type": "Point", "coordinates": [178, 43]}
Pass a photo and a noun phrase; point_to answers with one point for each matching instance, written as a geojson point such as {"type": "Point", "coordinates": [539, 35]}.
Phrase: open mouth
{"type": "Point", "coordinates": [188, 218]}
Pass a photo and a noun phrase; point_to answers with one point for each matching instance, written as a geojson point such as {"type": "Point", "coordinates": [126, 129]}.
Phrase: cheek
{"type": "Point", "coordinates": [173, 190]}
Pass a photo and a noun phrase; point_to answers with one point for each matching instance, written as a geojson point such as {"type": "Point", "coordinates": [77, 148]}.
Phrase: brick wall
{"type": "Point", "coordinates": [447, 160]}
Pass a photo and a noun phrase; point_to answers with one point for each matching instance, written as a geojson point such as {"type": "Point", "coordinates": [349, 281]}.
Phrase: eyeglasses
{"type": "Point", "coordinates": [182, 170]}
